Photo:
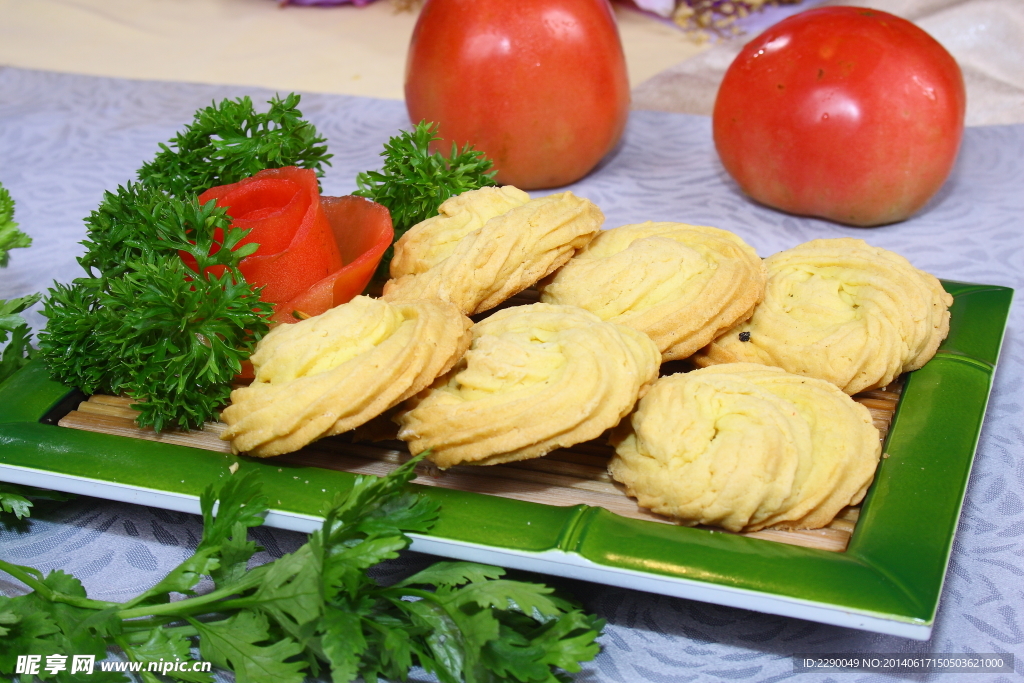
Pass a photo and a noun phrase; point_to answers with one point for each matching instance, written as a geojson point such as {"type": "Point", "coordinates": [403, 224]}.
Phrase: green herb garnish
{"type": "Point", "coordinates": [144, 324]}
{"type": "Point", "coordinates": [141, 322]}
{"type": "Point", "coordinates": [230, 141]}
{"type": "Point", "coordinates": [314, 610]}
{"type": "Point", "coordinates": [19, 350]}
{"type": "Point", "coordinates": [10, 236]}
{"type": "Point", "coordinates": [15, 342]}
{"type": "Point", "coordinates": [18, 500]}
{"type": "Point", "coordinates": [414, 182]}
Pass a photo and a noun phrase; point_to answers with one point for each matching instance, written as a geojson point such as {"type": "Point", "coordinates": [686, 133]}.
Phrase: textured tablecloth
{"type": "Point", "coordinates": [64, 139]}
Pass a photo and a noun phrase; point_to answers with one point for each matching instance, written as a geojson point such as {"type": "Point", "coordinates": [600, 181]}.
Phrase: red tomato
{"type": "Point", "coordinates": [846, 113]}
{"type": "Point", "coordinates": [539, 86]}
{"type": "Point", "coordinates": [315, 252]}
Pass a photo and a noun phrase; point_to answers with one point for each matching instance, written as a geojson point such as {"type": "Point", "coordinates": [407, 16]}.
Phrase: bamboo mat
{"type": "Point", "coordinates": [564, 477]}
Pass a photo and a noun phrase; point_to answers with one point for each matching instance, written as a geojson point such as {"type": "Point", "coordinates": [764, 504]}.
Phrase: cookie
{"type": "Point", "coordinates": [745, 446]}
{"type": "Point", "coordinates": [334, 372]}
{"type": "Point", "coordinates": [508, 254]}
{"type": "Point", "coordinates": [535, 378]}
{"type": "Point", "coordinates": [843, 311]}
{"type": "Point", "coordinates": [428, 243]}
{"type": "Point", "coordinates": [680, 284]}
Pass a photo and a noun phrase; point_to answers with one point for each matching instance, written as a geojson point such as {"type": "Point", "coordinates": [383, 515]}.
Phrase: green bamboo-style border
{"type": "Point", "coordinates": [893, 569]}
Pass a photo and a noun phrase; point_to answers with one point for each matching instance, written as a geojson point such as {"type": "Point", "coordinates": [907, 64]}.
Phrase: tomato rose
{"type": "Point", "coordinates": [539, 86]}
{"type": "Point", "coordinates": [315, 252]}
{"type": "Point", "coordinates": [846, 113]}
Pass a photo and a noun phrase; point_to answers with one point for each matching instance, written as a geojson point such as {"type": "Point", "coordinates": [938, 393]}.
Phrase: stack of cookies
{"type": "Point", "coordinates": [764, 434]}
{"type": "Point", "coordinates": [489, 244]}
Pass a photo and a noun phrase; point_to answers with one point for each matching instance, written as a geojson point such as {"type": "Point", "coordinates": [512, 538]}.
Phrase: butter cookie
{"type": "Point", "coordinates": [682, 285]}
{"type": "Point", "coordinates": [535, 378]}
{"type": "Point", "coordinates": [843, 311]}
{"type": "Point", "coordinates": [745, 446]}
{"type": "Point", "coordinates": [333, 372]}
{"type": "Point", "coordinates": [485, 266]}
{"type": "Point", "coordinates": [428, 243]}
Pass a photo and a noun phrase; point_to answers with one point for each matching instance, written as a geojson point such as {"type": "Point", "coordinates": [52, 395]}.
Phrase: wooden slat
{"type": "Point", "coordinates": [92, 420]}
{"type": "Point", "coordinates": [564, 477]}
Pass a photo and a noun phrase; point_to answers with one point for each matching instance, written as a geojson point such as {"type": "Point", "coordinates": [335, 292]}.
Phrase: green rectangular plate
{"type": "Point", "coordinates": [889, 580]}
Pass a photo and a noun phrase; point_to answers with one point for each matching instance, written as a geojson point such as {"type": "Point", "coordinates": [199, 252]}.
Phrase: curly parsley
{"type": "Point", "coordinates": [414, 182]}
{"type": "Point", "coordinates": [142, 323]}
{"type": "Point", "coordinates": [229, 141]}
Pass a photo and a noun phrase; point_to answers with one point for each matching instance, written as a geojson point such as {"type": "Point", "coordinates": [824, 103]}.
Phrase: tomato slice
{"type": "Point", "coordinates": [315, 252]}
{"type": "Point", "coordinates": [362, 231]}
{"type": "Point", "coordinates": [281, 208]}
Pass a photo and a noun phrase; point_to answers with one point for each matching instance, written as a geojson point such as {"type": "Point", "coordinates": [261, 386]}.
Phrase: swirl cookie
{"type": "Point", "coordinates": [843, 311]}
{"type": "Point", "coordinates": [680, 284]}
{"type": "Point", "coordinates": [428, 243]}
{"type": "Point", "coordinates": [535, 378]}
{"type": "Point", "coordinates": [506, 255]}
{"type": "Point", "coordinates": [333, 372]}
{"type": "Point", "coordinates": [745, 446]}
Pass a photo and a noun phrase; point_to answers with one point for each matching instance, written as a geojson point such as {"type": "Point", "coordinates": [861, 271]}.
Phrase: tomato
{"type": "Point", "coordinates": [845, 113]}
{"type": "Point", "coordinates": [539, 86]}
{"type": "Point", "coordinates": [315, 252]}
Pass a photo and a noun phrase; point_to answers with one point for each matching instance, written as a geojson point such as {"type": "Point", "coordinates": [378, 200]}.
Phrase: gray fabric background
{"type": "Point", "coordinates": [65, 138]}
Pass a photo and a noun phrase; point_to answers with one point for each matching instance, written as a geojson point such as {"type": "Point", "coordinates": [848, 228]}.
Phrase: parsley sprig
{"type": "Point", "coordinates": [144, 324]}
{"type": "Point", "coordinates": [141, 322]}
{"type": "Point", "coordinates": [313, 611]}
{"type": "Point", "coordinates": [229, 141]}
{"type": "Point", "coordinates": [414, 181]}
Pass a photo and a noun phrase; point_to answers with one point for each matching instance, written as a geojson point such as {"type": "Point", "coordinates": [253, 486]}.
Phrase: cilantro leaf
{"type": "Point", "coordinates": [528, 598]}
{"type": "Point", "coordinates": [242, 504]}
{"type": "Point", "coordinates": [166, 645]}
{"type": "Point", "coordinates": [314, 607]}
{"type": "Point", "coordinates": [18, 350]}
{"type": "Point", "coordinates": [181, 579]}
{"type": "Point", "coordinates": [10, 236]}
{"type": "Point", "coordinates": [343, 643]}
{"type": "Point", "coordinates": [18, 500]}
{"type": "Point", "coordinates": [223, 550]}
{"type": "Point", "coordinates": [241, 501]}
{"type": "Point", "coordinates": [26, 630]}
{"type": "Point", "coordinates": [11, 501]}
{"type": "Point", "coordinates": [235, 553]}
{"type": "Point", "coordinates": [240, 643]}
{"type": "Point", "coordinates": [289, 591]}
{"type": "Point", "coordinates": [450, 574]}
